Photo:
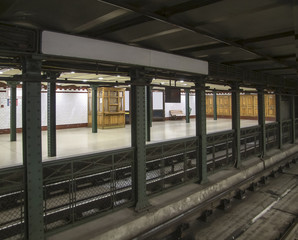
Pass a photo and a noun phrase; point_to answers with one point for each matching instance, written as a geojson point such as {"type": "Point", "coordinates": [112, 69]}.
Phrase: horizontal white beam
{"type": "Point", "coordinates": [66, 45]}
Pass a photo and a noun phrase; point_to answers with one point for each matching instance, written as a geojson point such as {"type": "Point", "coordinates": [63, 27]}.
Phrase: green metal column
{"type": "Point", "coordinates": [236, 124]}
{"type": "Point", "coordinates": [261, 121]}
{"type": "Point", "coordinates": [293, 119]}
{"type": "Point", "coordinates": [187, 112]}
{"type": "Point", "coordinates": [52, 149]}
{"type": "Point", "coordinates": [34, 225]}
{"type": "Point", "coordinates": [201, 132]}
{"type": "Point", "coordinates": [149, 113]}
{"type": "Point", "coordinates": [94, 109]}
{"type": "Point", "coordinates": [138, 137]}
{"type": "Point", "coordinates": [214, 105]}
{"type": "Point", "coordinates": [13, 111]}
{"type": "Point", "coordinates": [279, 119]}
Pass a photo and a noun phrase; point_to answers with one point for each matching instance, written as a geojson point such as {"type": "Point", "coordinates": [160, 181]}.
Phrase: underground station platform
{"type": "Point", "coordinates": [174, 119]}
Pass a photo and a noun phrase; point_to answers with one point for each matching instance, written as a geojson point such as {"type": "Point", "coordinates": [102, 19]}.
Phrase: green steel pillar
{"type": "Point", "coordinates": [201, 132]}
{"type": "Point", "coordinates": [13, 111]}
{"type": "Point", "coordinates": [138, 137]}
{"type": "Point", "coordinates": [187, 112]}
{"type": "Point", "coordinates": [261, 121]}
{"type": "Point", "coordinates": [214, 105]}
{"type": "Point", "coordinates": [293, 119]}
{"type": "Point", "coordinates": [94, 109]}
{"type": "Point", "coordinates": [32, 158]}
{"type": "Point", "coordinates": [236, 124]}
{"type": "Point", "coordinates": [149, 113]}
{"type": "Point", "coordinates": [279, 119]}
{"type": "Point", "coordinates": [52, 150]}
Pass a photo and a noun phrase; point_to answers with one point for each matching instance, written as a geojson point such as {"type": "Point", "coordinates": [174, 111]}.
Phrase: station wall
{"type": "Point", "coordinates": [71, 108]}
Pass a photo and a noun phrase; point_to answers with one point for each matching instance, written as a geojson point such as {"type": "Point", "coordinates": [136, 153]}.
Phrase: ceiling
{"type": "Point", "coordinates": [255, 35]}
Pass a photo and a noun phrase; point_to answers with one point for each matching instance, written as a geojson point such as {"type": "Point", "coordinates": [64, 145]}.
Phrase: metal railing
{"type": "Point", "coordinates": [12, 203]}
{"type": "Point", "coordinates": [77, 188]}
{"type": "Point", "coordinates": [271, 135]}
{"type": "Point", "coordinates": [219, 150]}
{"type": "Point", "coordinates": [249, 140]}
{"type": "Point", "coordinates": [287, 131]}
{"type": "Point", "coordinates": [296, 128]}
{"type": "Point", "coordinates": [83, 186]}
{"type": "Point", "coordinates": [170, 163]}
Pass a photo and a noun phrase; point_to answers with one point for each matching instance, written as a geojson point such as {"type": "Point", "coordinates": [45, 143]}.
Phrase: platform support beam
{"type": "Point", "coordinates": [52, 150]}
{"type": "Point", "coordinates": [261, 121]}
{"type": "Point", "coordinates": [236, 124]}
{"type": "Point", "coordinates": [94, 109]}
{"type": "Point", "coordinates": [13, 110]}
{"type": "Point", "coordinates": [149, 112]}
{"type": "Point", "coordinates": [187, 109]}
{"type": "Point", "coordinates": [138, 137]}
{"type": "Point", "coordinates": [214, 105]}
{"type": "Point", "coordinates": [31, 118]}
{"type": "Point", "coordinates": [201, 132]}
{"type": "Point", "coordinates": [279, 119]}
{"type": "Point", "coordinates": [293, 119]}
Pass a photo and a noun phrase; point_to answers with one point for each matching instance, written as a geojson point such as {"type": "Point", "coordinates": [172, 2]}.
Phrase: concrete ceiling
{"type": "Point", "coordinates": [256, 35]}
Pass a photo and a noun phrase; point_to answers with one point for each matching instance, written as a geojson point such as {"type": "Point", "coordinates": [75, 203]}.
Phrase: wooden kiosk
{"type": "Point", "coordinates": [110, 107]}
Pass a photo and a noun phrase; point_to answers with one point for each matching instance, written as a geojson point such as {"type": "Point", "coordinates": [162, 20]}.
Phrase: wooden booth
{"type": "Point", "coordinates": [110, 107]}
{"type": "Point", "coordinates": [248, 106]}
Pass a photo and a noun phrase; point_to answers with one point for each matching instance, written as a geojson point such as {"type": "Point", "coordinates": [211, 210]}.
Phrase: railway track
{"type": "Point", "coordinates": [186, 225]}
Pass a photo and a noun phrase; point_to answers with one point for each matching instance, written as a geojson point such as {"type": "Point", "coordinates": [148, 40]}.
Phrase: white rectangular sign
{"type": "Point", "coordinates": [66, 45]}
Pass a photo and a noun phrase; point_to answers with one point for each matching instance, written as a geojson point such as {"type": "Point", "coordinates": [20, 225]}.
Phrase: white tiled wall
{"type": "Point", "coordinates": [71, 108]}
{"type": "Point", "coordinates": [181, 105]}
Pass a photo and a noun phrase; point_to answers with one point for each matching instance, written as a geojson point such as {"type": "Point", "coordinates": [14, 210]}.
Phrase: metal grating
{"type": "Point", "coordinates": [219, 150]}
{"type": "Point", "coordinates": [170, 163]}
{"type": "Point", "coordinates": [77, 188]}
{"type": "Point", "coordinates": [12, 203]}
{"type": "Point", "coordinates": [271, 135]}
{"type": "Point", "coordinates": [250, 145]}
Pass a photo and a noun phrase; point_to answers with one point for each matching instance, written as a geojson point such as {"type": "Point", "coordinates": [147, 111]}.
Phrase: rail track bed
{"type": "Point", "coordinates": [261, 208]}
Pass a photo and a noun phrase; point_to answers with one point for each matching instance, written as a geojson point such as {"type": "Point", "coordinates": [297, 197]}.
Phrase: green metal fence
{"type": "Point", "coordinates": [77, 188]}
{"type": "Point", "coordinates": [219, 150]}
{"type": "Point", "coordinates": [287, 131]}
{"type": "Point", "coordinates": [271, 135]}
{"type": "Point", "coordinates": [296, 128]}
{"type": "Point", "coordinates": [250, 144]}
{"type": "Point", "coordinates": [170, 163]}
{"type": "Point", "coordinates": [80, 187]}
{"type": "Point", "coordinates": [12, 203]}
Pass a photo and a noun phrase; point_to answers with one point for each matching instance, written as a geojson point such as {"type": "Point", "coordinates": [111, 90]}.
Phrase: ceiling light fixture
{"type": "Point", "coordinates": [118, 75]}
{"type": "Point", "coordinates": [72, 72]}
{"type": "Point", "coordinates": [1, 72]}
{"type": "Point", "coordinates": [181, 81]}
{"type": "Point", "coordinates": [100, 78]}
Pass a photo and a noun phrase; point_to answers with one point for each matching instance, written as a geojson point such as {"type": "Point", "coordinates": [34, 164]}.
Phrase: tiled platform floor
{"type": "Point", "coordinates": [82, 140]}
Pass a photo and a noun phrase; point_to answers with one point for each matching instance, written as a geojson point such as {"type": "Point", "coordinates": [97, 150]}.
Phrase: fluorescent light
{"type": "Point", "coordinates": [100, 78]}
{"type": "Point", "coordinates": [118, 75]}
{"type": "Point", "coordinates": [185, 84]}
{"type": "Point", "coordinates": [181, 81]}
{"type": "Point", "coordinates": [84, 80]}
{"type": "Point", "coordinates": [1, 72]}
{"type": "Point", "coordinates": [72, 72]}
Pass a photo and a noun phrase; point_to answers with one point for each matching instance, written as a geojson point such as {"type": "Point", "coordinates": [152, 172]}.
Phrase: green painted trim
{"type": "Point", "coordinates": [236, 125]}
{"type": "Point", "coordinates": [94, 109]}
{"type": "Point", "coordinates": [52, 151]}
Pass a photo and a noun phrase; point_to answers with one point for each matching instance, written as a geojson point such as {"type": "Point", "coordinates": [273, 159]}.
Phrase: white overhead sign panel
{"type": "Point", "coordinates": [66, 45]}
